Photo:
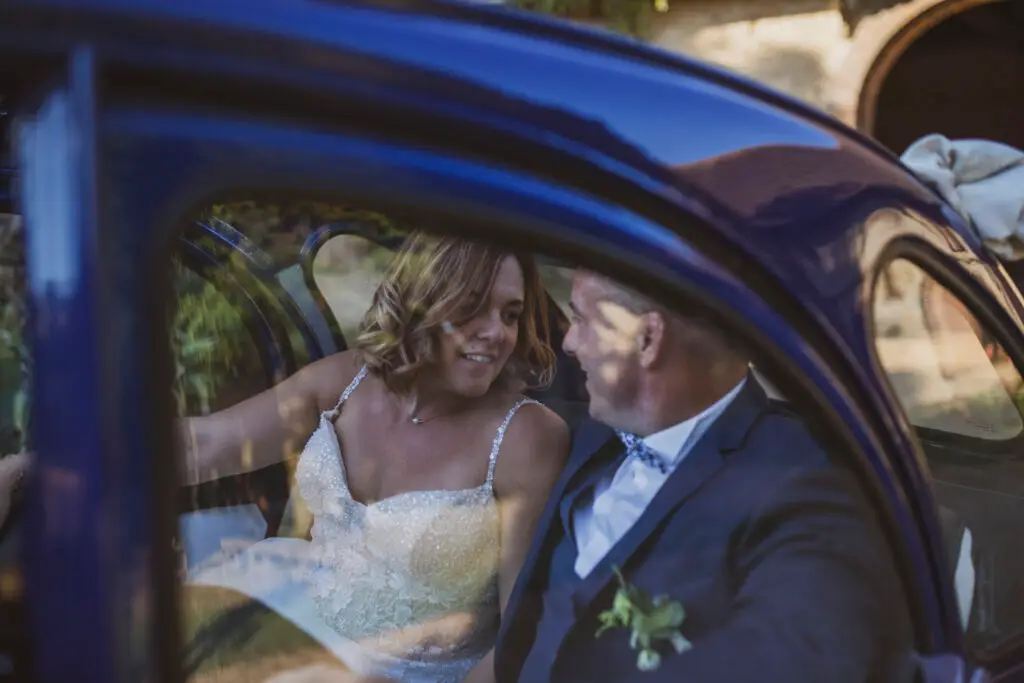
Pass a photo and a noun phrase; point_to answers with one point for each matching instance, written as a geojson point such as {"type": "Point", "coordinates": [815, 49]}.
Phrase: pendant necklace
{"type": "Point", "coordinates": [417, 420]}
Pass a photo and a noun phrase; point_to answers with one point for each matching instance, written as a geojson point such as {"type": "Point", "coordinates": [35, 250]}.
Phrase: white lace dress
{"type": "Point", "coordinates": [404, 587]}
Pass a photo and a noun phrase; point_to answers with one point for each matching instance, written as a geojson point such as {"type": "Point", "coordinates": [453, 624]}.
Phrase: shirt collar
{"type": "Point", "coordinates": [672, 443]}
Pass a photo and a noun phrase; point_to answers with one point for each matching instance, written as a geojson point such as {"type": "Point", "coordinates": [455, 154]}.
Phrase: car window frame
{"type": "Point", "coordinates": [989, 311]}
{"type": "Point", "coordinates": [295, 341]}
{"type": "Point", "coordinates": [307, 259]}
{"type": "Point", "coordinates": [546, 228]}
{"type": "Point", "coordinates": [950, 439]}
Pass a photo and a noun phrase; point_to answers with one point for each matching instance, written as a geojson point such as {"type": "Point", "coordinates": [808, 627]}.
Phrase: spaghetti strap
{"type": "Point", "coordinates": [501, 435]}
{"type": "Point", "coordinates": [332, 414]}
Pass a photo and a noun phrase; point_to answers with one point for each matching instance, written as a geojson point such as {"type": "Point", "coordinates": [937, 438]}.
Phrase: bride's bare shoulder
{"type": "Point", "coordinates": [535, 421]}
{"type": "Point", "coordinates": [328, 377]}
{"type": "Point", "coordinates": [533, 450]}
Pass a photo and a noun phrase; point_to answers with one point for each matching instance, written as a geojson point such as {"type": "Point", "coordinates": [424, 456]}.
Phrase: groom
{"type": "Point", "coordinates": [722, 502]}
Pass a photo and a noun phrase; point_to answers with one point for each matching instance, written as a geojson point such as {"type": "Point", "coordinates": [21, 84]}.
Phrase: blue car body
{"type": "Point", "coordinates": [676, 173]}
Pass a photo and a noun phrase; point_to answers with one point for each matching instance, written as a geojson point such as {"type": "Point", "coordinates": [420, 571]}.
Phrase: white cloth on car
{"type": "Point", "coordinates": [982, 180]}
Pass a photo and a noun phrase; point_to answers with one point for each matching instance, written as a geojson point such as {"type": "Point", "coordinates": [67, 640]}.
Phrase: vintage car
{"type": "Point", "coordinates": [206, 192]}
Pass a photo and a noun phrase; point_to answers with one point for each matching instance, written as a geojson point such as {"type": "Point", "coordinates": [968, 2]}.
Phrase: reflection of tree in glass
{"type": "Point", "coordinates": [347, 268]}
{"type": "Point", "coordinates": [280, 228]}
{"type": "Point", "coordinates": [209, 335]}
{"type": "Point", "coordinates": [209, 339]}
{"type": "Point", "coordinates": [15, 360]}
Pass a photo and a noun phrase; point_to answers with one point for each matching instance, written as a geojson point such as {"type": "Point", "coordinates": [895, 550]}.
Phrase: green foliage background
{"type": "Point", "coordinates": [15, 361]}
{"type": "Point", "coordinates": [209, 339]}
{"type": "Point", "coordinates": [210, 342]}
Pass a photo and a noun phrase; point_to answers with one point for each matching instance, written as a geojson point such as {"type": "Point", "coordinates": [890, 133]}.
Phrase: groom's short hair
{"type": "Point", "coordinates": [695, 330]}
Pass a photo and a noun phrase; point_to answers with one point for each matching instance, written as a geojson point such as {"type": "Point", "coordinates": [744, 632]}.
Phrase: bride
{"type": "Point", "coordinates": [424, 467]}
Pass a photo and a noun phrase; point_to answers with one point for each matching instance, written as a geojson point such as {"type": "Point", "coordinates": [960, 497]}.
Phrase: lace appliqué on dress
{"type": "Point", "coordinates": [412, 578]}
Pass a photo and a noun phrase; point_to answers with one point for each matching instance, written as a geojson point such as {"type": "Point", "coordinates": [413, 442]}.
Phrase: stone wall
{"type": "Point", "coordinates": [796, 46]}
{"type": "Point", "coordinates": [801, 47]}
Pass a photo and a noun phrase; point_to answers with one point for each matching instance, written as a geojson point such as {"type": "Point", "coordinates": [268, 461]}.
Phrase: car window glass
{"type": "Point", "coordinates": [962, 392]}
{"type": "Point", "coordinates": [347, 270]}
{"type": "Point", "coordinates": [558, 282]}
{"type": "Point", "coordinates": [371, 524]}
{"type": "Point", "coordinates": [217, 358]}
{"type": "Point", "coordinates": [948, 374]}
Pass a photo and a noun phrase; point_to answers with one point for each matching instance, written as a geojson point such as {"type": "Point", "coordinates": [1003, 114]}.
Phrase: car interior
{"type": "Point", "coordinates": [975, 512]}
{"type": "Point", "coordinates": [982, 529]}
{"type": "Point", "coordinates": [263, 503]}
{"type": "Point", "coordinates": [266, 503]}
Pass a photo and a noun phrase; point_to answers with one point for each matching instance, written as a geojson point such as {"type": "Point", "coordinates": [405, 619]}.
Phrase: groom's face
{"type": "Point", "coordinates": [604, 337]}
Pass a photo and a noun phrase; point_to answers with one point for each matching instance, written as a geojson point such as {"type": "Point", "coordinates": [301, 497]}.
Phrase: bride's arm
{"type": "Point", "coordinates": [267, 428]}
{"type": "Point", "coordinates": [532, 457]}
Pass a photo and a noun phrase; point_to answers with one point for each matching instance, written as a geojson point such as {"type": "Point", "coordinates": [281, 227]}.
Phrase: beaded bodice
{"type": "Point", "coordinates": [412, 576]}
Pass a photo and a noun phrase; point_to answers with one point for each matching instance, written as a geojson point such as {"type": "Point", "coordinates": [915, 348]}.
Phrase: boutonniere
{"type": "Point", "coordinates": [649, 620]}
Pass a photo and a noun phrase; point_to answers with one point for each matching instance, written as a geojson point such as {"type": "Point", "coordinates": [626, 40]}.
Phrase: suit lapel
{"type": "Point", "coordinates": [605, 459]}
{"type": "Point", "coordinates": [591, 441]}
{"type": "Point", "coordinates": [726, 435]}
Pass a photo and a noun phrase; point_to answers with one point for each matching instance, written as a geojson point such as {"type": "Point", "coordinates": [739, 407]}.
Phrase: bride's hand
{"type": "Point", "coordinates": [12, 470]}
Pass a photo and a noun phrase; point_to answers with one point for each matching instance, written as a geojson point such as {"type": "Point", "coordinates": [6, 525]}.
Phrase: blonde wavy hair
{"type": "Point", "coordinates": [433, 280]}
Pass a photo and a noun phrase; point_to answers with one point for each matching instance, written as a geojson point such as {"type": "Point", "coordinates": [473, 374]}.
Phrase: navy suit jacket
{"type": "Point", "coordinates": [770, 547]}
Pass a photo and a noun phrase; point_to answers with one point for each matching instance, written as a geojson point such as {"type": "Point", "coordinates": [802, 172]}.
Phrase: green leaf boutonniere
{"type": "Point", "coordinates": [649, 621]}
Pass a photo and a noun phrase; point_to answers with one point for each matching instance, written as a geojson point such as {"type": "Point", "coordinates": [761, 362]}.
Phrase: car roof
{"type": "Point", "coordinates": [755, 165]}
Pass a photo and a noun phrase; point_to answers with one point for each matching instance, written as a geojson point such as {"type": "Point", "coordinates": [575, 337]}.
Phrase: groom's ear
{"type": "Point", "coordinates": [652, 337]}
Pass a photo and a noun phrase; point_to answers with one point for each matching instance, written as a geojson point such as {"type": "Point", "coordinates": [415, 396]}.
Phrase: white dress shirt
{"type": "Point", "coordinates": [618, 501]}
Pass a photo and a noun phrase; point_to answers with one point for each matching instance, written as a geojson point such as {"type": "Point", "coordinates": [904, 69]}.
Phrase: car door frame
{"type": "Point", "coordinates": [556, 216]}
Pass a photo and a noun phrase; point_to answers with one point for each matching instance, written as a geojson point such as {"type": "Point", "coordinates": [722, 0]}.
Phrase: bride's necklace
{"type": "Point", "coordinates": [417, 420]}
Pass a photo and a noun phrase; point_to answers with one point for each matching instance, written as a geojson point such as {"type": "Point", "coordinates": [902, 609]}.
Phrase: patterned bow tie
{"type": "Point", "coordinates": [636, 448]}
